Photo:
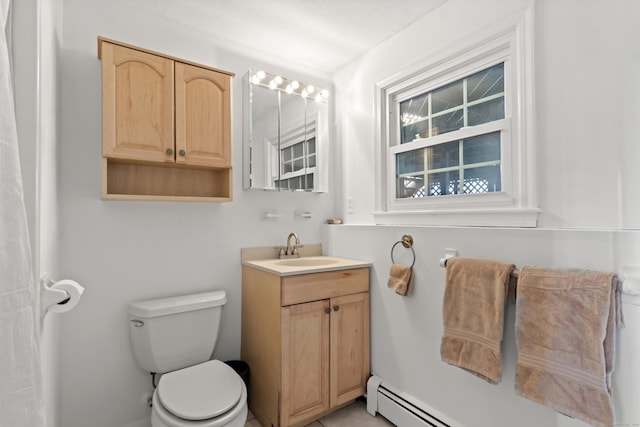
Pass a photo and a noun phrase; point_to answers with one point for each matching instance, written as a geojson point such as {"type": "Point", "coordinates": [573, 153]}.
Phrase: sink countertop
{"type": "Point", "coordinates": [333, 263]}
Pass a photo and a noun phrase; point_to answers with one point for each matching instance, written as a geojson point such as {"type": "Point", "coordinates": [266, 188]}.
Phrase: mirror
{"type": "Point", "coordinates": [286, 135]}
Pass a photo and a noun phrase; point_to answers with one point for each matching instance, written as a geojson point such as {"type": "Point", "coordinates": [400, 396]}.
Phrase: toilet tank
{"type": "Point", "coordinates": [173, 333]}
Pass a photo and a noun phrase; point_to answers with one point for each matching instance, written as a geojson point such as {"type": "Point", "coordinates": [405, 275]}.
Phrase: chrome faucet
{"type": "Point", "coordinates": [291, 250]}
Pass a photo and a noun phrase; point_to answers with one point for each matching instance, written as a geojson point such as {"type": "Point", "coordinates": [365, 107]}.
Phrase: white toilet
{"type": "Point", "coordinates": [175, 337]}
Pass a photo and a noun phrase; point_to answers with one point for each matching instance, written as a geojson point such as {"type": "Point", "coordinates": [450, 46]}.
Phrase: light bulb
{"type": "Point", "coordinates": [289, 88]}
{"type": "Point", "coordinates": [318, 98]}
{"type": "Point", "coordinates": [295, 84]}
{"type": "Point", "coordinates": [273, 84]}
{"type": "Point", "coordinates": [304, 93]}
{"type": "Point", "coordinates": [325, 94]}
{"type": "Point", "coordinates": [310, 89]}
{"type": "Point", "coordinates": [261, 75]}
{"type": "Point", "coordinates": [278, 80]}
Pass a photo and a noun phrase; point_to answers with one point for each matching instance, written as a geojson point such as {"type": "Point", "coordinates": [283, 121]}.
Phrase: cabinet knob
{"type": "Point", "coordinates": [169, 151]}
{"type": "Point", "coordinates": [327, 310]}
{"type": "Point", "coordinates": [336, 307]}
{"type": "Point", "coordinates": [182, 153]}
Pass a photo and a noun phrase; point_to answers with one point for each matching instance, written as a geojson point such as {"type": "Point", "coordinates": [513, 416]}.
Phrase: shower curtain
{"type": "Point", "coordinates": [21, 389]}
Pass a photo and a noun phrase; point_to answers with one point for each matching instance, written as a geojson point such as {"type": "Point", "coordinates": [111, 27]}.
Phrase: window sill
{"type": "Point", "coordinates": [511, 217]}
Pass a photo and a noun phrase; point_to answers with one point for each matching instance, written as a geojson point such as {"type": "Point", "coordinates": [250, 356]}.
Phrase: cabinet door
{"type": "Point", "coordinates": [349, 347]}
{"type": "Point", "coordinates": [203, 117]}
{"type": "Point", "coordinates": [137, 105]}
{"type": "Point", "coordinates": [305, 361]}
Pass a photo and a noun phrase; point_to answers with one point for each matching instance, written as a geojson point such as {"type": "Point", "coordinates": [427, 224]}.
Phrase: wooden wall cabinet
{"type": "Point", "coordinates": [306, 340]}
{"type": "Point", "coordinates": [166, 126]}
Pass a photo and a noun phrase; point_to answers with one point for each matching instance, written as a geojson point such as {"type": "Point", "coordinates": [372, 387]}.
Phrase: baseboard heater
{"type": "Point", "coordinates": [400, 408]}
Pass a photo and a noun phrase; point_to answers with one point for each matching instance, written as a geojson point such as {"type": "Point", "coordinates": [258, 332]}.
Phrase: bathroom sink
{"type": "Point", "coordinates": [305, 264]}
{"type": "Point", "coordinates": [307, 261]}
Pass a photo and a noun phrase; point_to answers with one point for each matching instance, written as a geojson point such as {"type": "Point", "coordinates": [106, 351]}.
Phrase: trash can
{"type": "Point", "coordinates": [242, 368]}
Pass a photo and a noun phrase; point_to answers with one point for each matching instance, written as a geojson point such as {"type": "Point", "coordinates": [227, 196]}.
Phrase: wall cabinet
{"type": "Point", "coordinates": [166, 126]}
{"type": "Point", "coordinates": [306, 340]}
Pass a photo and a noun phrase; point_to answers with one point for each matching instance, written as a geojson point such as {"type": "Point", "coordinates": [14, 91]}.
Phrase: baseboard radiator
{"type": "Point", "coordinates": [400, 408]}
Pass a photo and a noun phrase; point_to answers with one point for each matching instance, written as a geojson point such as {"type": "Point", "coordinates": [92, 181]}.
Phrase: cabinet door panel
{"type": "Point", "coordinates": [203, 119]}
{"type": "Point", "coordinates": [305, 361]}
{"type": "Point", "coordinates": [349, 347]}
{"type": "Point", "coordinates": [137, 105]}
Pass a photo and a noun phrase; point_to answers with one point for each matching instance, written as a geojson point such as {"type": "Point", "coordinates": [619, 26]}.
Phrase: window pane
{"type": "Point", "coordinates": [443, 183]}
{"type": "Point", "coordinates": [446, 97]}
{"type": "Point", "coordinates": [410, 161]}
{"type": "Point", "coordinates": [311, 161]}
{"type": "Point", "coordinates": [311, 146]}
{"type": "Point", "coordinates": [483, 148]}
{"type": "Point", "coordinates": [485, 83]}
{"type": "Point", "coordinates": [297, 150]}
{"type": "Point", "coordinates": [414, 118]}
{"type": "Point", "coordinates": [287, 167]}
{"type": "Point", "coordinates": [444, 155]}
{"type": "Point", "coordinates": [298, 164]}
{"type": "Point", "coordinates": [286, 154]}
{"type": "Point", "coordinates": [486, 112]}
{"type": "Point", "coordinates": [447, 122]}
{"type": "Point", "coordinates": [409, 186]}
{"type": "Point", "coordinates": [484, 179]}
{"type": "Point", "coordinates": [414, 109]}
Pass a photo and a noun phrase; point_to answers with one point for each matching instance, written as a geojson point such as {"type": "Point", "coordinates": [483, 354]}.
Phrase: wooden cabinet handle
{"type": "Point", "coordinates": [327, 310]}
{"type": "Point", "coordinates": [336, 307]}
{"type": "Point", "coordinates": [169, 151]}
{"type": "Point", "coordinates": [182, 153]}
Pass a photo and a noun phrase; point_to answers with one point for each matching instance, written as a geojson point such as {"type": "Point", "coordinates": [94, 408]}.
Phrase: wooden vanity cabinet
{"type": "Point", "coordinates": [166, 126]}
{"type": "Point", "coordinates": [306, 340]}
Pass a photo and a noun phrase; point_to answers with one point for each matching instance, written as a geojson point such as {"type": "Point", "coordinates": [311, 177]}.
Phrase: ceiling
{"type": "Point", "coordinates": [320, 34]}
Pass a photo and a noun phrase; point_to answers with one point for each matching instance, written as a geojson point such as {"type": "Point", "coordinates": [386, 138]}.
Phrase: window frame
{"type": "Point", "coordinates": [515, 204]}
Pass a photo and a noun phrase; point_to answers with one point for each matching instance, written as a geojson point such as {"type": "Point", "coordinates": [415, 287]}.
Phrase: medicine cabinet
{"type": "Point", "coordinates": [286, 134]}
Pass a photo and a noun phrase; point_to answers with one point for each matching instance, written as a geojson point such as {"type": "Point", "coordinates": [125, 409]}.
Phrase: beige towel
{"type": "Point", "coordinates": [400, 278]}
{"type": "Point", "coordinates": [473, 314]}
{"type": "Point", "coordinates": [565, 333]}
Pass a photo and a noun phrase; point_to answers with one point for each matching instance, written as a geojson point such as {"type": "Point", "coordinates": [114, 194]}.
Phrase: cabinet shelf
{"type": "Point", "coordinates": [126, 180]}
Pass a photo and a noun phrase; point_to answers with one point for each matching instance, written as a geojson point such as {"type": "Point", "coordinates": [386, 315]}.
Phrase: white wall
{"type": "Point", "coordinates": [126, 251]}
{"type": "Point", "coordinates": [586, 98]}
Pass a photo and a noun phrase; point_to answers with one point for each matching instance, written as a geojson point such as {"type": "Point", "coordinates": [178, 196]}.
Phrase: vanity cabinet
{"type": "Point", "coordinates": [166, 126]}
{"type": "Point", "coordinates": [306, 340]}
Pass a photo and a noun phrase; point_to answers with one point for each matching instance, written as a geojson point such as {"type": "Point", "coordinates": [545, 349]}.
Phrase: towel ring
{"type": "Point", "coordinates": [407, 242]}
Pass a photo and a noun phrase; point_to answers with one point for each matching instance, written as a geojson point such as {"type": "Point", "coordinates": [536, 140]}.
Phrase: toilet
{"type": "Point", "coordinates": [175, 337]}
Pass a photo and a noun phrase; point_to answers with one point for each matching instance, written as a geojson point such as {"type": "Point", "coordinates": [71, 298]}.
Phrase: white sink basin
{"type": "Point", "coordinates": [305, 265]}
{"type": "Point", "coordinates": [306, 262]}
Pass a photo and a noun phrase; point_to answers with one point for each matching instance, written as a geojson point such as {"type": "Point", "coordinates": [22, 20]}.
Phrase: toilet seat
{"type": "Point", "coordinates": [200, 392]}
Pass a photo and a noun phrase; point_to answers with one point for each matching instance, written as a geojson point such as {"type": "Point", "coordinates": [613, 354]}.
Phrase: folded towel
{"type": "Point", "coordinates": [400, 278]}
{"type": "Point", "coordinates": [565, 334]}
{"type": "Point", "coordinates": [473, 315]}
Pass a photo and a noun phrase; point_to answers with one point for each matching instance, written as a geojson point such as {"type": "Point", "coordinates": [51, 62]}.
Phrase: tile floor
{"type": "Point", "coordinates": [354, 415]}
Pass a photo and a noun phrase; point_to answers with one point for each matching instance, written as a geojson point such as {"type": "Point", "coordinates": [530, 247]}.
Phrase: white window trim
{"type": "Point", "coordinates": [515, 205]}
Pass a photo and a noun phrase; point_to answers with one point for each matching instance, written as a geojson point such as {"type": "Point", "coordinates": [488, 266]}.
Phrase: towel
{"type": "Point", "coordinates": [565, 334]}
{"type": "Point", "coordinates": [400, 278]}
{"type": "Point", "coordinates": [473, 315]}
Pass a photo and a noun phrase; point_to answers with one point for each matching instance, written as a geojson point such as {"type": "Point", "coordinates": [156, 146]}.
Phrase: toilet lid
{"type": "Point", "coordinates": [200, 392]}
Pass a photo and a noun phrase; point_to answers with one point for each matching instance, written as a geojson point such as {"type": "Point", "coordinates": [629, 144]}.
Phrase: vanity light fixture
{"type": "Point", "coordinates": [276, 82]}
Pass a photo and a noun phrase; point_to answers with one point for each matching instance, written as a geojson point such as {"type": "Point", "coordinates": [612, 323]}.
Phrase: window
{"type": "Point", "coordinates": [293, 161]}
{"type": "Point", "coordinates": [456, 145]}
{"type": "Point", "coordinates": [297, 165]}
{"type": "Point", "coordinates": [463, 166]}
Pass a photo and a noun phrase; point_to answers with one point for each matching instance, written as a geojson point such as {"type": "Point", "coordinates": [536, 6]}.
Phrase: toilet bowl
{"type": "Point", "coordinates": [210, 394]}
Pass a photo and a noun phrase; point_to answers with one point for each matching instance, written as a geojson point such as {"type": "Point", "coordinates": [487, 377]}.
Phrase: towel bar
{"type": "Point", "coordinates": [443, 263]}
